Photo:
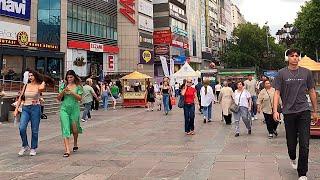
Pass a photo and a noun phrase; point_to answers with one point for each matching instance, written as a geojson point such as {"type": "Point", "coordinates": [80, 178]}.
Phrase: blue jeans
{"type": "Point", "coordinates": [86, 111]}
{"type": "Point", "coordinates": [207, 111]}
{"type": "Point", "coordinates": [105, 99]}
{"type": "Point", "coordinates": [188, 110]}
{"type": "Point", "coordinates": [166, 102]}
{"type": "Point", "coordinates": [30, 113]}
{"type": "Point", "coordinates": [254, 106]}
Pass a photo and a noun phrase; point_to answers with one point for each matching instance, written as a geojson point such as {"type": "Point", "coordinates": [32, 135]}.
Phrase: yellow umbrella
{"type": "Point", "coordinates": [136, 75]}
{"type": "Point", "coordinates": [310, 64]}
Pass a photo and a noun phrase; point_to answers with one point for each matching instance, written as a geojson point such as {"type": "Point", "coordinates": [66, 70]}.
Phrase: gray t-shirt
{"type": "Point", "coordinates": [294, 86]}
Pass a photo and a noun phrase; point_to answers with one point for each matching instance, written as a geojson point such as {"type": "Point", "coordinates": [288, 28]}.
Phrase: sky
{"type": "Point", "coordinates": [276, 12]}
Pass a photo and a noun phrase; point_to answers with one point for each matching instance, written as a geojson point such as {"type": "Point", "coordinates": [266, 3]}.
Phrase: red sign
{"type": "Point", "coordinates": [87, 46]}
{"type": "Point", "coordinates": [162, 37]}
{"type": "Point", "coordinates": [128, 10]}
{"type": "Point", "coordinates": [111, 62]}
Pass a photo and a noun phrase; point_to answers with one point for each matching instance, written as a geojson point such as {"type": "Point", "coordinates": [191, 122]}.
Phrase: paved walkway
{"type": "Point", "coordinates": [134, 144]}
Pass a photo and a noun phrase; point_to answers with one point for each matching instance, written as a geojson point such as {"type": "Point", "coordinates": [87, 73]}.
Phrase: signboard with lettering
{"type": "Point", "coordinates": [180, 41]}
{"type": "Point", "coordinates": [95, 47]}
{"type": "Point", "coordinates": [146, 56]}
{"type": "Point", "coordinates": [145, 23]}
{"type": "Point", "coordinates": [179, 31]}
{"type": "Point", "coordinates": [16, 8]}
{"type": "Point", "coordinates": [178, 16]}
{"type": "Point", "coordinates": [110, 63]}
{"type": "Point", "coordinates": [145, 40]}
{"type": "Point", "coordinates": [146, 8]}
{"type": "Point", "coordinates": [162, 37]}
{"type": "Point", "coordinates": [133, 95]}
{"type": "Point", "coordinates": [10, 30]}
{"type": "Point", "coordinates": [161, 50]}
{"type": "Point", "coordinates": [128, 9]}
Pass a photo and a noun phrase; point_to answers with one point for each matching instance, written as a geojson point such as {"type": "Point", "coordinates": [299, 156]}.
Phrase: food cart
{"type": "Point", "coordinates": [134, 89]}
{"type": "Point", "coordinates": [310, 64]}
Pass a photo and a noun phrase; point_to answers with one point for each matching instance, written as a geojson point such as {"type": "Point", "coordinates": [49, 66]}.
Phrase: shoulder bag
{"type": "Point", "coordinates": [235, 107]}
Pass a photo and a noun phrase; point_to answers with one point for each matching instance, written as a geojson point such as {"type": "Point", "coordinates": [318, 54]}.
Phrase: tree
{"type": "Point", "coordinates": [308, 23]}
{"type": "Point", "coordinates": [249, 49]}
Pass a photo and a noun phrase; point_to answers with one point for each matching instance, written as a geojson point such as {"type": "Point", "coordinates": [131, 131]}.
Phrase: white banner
{"type": "Point", "coordinates": [164, 66]}
{"type": "Point", "coordinates": [77, 61]}
{"type": "Point", "coordinates": [171, 67]}
{"type": "Point", "coordinates": [10, 30]}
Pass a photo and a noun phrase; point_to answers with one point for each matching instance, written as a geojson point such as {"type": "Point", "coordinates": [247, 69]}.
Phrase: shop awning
{"type": "Point", "coordinates": [135, 76]}
{"type": "Point", "coordinates": [310, 64]}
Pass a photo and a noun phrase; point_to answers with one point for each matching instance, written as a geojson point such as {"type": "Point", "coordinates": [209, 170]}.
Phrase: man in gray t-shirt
{"type": "Point", "coordinates": [292, 84]}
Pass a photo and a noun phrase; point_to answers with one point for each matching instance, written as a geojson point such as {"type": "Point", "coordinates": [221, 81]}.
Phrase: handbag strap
{"type": "Point", "coordinates": [24, 89]}
{"type": "Point", "coordinates": [270, 101]}
{"type": "Point", "coordinates": [240, 97]}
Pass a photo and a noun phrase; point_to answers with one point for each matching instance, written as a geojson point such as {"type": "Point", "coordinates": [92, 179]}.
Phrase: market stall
{"type": "Point", "coordinates": [313, 66]}
{"type": "Point", "coordinates": [134, 89]}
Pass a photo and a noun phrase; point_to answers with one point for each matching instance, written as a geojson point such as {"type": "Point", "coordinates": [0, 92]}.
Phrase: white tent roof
{"type": "Point", "coordinates": [186, 71]}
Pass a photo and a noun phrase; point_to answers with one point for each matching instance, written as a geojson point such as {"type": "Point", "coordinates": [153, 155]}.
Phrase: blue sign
{"type": "Point", "coordinates": [16, 8]}
{"type": "Point", "coordinates": [179, 59]}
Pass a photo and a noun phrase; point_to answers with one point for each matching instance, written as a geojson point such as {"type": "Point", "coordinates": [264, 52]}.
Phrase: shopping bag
{"type": "Point", "coordinates": [173, 101]}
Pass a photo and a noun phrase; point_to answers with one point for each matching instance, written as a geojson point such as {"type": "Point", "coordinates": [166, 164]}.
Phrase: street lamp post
{"type": "Point", "coordinates": [288, 35]}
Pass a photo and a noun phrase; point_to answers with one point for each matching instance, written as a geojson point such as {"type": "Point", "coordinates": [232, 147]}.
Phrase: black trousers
{"type": "Point", "coordinates": [95, 104]}
{"type": "Point", "coordinates": [228, 118]}
{"type": "Point", "coordinates": [298, 126]}
{"type": "Point", "coordinates": [189, 115]}
{"type": "Point", "coordinates": [272, 125]}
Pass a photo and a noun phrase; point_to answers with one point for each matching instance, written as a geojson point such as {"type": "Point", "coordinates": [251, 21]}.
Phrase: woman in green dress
{"type": "Point", "coordinates": [70, 94]}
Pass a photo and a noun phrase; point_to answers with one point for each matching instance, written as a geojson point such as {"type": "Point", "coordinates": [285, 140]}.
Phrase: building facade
{"type": "Point", "coordinates": [30, 37]}
{"type": "Point", "coordinates": [228, 16]}
{"type": "Point", "coordinates": [237, 17]}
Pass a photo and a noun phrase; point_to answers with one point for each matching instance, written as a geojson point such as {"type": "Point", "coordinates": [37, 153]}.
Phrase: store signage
{"type": "Point", "coordinates": [77, 61]}
{"type": "Point", "coordinates": [86, 46]}
{"type": "Point", "coordinates": [178, 16]}
{"type": "Point", "coordinates": [10, 30]}
{"type": "Point", "coordinates": [128, 10]}
{"type": "Point", "coordinates": [133, 95]}
{"type": "Point", "coordinates": [179, 31]}
{"type": "Point", "coordinates": [162, 37]}
{"type": "Point", "coordinates": [145, 40]}
{"type": "Point", "coordinates": [146, 8]}
{"type": "Point", "coordinates": [95, 47]}
{"type": "Point", "coordinates": [145, 23]}
{"type": "Point", "coordinates": [110, 63]}
{"type": "Point", "coordinates": [146, 57]}
{"type": "Point", "coordinates": [179, 59]}
{"type": "Point", "coordinates": [16, 8]}
{"type": "Point", "coordinates": [162, 50]}
{"type": "Point", "coordinates": [22, 40]}
{"type": "Point", "coordinates": [180, 41]}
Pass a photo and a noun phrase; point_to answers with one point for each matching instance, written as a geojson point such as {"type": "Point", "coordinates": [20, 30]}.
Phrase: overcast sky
{"type": "Point", "coordinates": [276, 12]}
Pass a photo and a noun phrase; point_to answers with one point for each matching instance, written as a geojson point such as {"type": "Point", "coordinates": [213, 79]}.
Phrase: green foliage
{"type": "Point", "coordinates": [308, 23]}
{"type": "Point", "coordinates": [249, 49]}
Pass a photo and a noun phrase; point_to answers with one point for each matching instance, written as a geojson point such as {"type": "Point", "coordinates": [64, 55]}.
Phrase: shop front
{"type": "Point", "coordinates": [89, 59]}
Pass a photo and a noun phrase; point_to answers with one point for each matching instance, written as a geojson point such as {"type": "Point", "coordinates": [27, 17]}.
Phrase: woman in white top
{"type": "Point", "coordinates": [217, 89]}
{"type": "Point", "coordinates": [207, 97]}
{"type": "Point", "coordinates": [225, 99]}
{"type": "Point", "coordinates": [242, 98]}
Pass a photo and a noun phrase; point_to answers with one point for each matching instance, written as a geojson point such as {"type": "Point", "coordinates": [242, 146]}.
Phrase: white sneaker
{"type": "Point", "coordinates": [33, 152]}
{"type": "Point", "coordinates": [294, 164]}
{"type": "Point", "coordinates": [303, 178]}
{"type": "Point", "coordinates": [83, 120]}
{"type": "Point", "coordinates": [252, 119]}
{"type": "Point", "coordinates": [255, 118]}
{"type": "Point", "coordinates": [23, 150]}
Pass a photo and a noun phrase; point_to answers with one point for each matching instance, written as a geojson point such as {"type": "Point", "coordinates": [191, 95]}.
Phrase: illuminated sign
{"type": "Point", "coordinates": [16, 8]}
{"type": "Point", "coordinates": [128, 10]}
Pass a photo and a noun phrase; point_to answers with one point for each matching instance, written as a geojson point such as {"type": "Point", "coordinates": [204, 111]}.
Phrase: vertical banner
{"type": "Point", "coordinates": [171, 67]}
{"type": "Point", "coordinates": [164, 66]}
{"type": "Point", "coordinates": [111, 63]}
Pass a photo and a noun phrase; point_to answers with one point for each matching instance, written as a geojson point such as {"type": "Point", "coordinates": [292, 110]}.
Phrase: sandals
{"type": "Point", "coordinates": [75, 149]}
{"type": "Point", "coordinates": [66, 155]}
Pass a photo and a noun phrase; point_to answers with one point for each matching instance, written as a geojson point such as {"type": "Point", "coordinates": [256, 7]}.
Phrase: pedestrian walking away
{"type": "Point", "coordinates": [251, 86]}
{"type": "Point", "coordinates": [207, 97]}
{"type": "Point", "coordinates": [106, 93]}
{"type": "Point", "coordinates": [243, 99]}
{"type": "Point", "coordinates": [190, 99]}
{"type": "Point", "coordinates": [87, 99]}
{"type": "Point", "coordinates": [217, 89]}
{"type": "Point", "coordinates": [292, 84]}
{"type": "Point", "coordinates": [31, 111]}
{"type": "Point", "coordinates": [198, 88]}
{"type": "Point", "coordinates": [225, 99]}
{"type": "Point", "coordinates": [70, 94]}
{"type": "Point", "coordinates": [265, 105]}
{"type": "Point", "coordinates": [115, 93]}
{"type": "Point", "coordinates": [97, 90]}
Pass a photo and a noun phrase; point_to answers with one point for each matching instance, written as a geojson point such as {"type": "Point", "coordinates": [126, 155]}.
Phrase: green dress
{"type": "Point", "coordinates": [70, 111]}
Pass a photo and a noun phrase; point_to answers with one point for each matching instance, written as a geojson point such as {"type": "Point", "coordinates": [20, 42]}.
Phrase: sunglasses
{"type": "Point", "coordinates": [189, 81]}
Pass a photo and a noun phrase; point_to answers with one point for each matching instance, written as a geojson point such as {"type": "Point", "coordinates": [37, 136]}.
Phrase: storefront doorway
{"type": "Point", "coordinates": [95, 65]}
{"type": "Point", "coordinates": [49, 66]}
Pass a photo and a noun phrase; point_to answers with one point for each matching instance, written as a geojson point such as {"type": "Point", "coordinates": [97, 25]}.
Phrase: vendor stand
{"type": "Point", "coordinates": [313, 66]}
{"type": "Point", "coordinates": [134, 89]}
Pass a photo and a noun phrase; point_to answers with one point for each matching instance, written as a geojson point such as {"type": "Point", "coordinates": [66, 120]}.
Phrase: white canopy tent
{"type": "Point", "coordinates": [185, 72]}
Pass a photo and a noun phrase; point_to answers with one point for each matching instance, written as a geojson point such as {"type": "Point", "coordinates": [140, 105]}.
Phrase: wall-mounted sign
{"type": "Point", "coordinates": [162, 37]}
{"type": "Point", "coordinates": [110, 63]}
{"type": "Point", "coordinates": [145, 40]}
{"type": "Point", "coordinates": [180, 41]}
{"type": "Point", "coordinates": [95, 47]}
{"type": "Point", "coordinates": [146, 57]}
{"type": "Point", "coordinates": [77, 61]}
{"type": "Point", "coordinates": [128, 10]}
{"type": "Point", "coordinates": [178, 16]}
{"type": "Point", "coordinates": [10, 30]}
{"type": "Point", "coordinates": [145, 23]}
{"type": "Point", "coordinates": [179, 31]}
{"type": "Point", "coordinates": [22, 40]}
{"type": "Point", "coordinates": [16, 8]}
{"type": "Point", "coordinates": [162, 50]}
{"type": "Point", "coordinates": [146, 8]}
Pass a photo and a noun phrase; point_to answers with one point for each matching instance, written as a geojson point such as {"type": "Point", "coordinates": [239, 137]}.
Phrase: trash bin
{"type": "Point", "coordinates": [5, 107]}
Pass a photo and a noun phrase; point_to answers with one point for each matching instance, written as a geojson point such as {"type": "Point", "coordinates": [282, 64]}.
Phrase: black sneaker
{"type": "Point", "coordinates": [204, 121]}
{"type": "Point", "coordinates": [275, 133]}
{"type": "Point", "coordinates": [249, 131]}
{"type": "Point", "coordinates": [270, 136]}
{"type": "Point", "coordinates": [209, 121]}
{"type": "Point", "coordinates": [237, 134]}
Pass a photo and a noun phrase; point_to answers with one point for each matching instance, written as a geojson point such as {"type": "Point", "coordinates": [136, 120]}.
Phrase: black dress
{"type": "Point", "coordinates": [150, 94]}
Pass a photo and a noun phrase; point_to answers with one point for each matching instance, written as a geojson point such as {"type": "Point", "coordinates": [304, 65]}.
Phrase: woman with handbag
{"type": "Point", "coordinates": [150, 96]}
{"type": "Point", "coordinates": [206, 93]}
{"type": "Point", "coordinates": [105, 95]}
{"type": "Point", "coordinates": [190, 97]}
{"type": "Point", "coordinates": [70, 95]}
{"type": "Point", "coordinates": [242, 107]}
{"type": "Point", "coordinates": [265, 105]}
{"type": "Point", "coordinates": [225, 99]}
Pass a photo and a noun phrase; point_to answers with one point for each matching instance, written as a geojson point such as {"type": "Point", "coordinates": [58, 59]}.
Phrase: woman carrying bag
{"type": "Point", "coordinates": [206, 93]}
{"type": "Point", "coordinates": [225, 99]}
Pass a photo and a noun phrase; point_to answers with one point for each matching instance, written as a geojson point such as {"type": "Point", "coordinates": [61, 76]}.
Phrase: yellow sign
{"type": "Point", "coordinates": [22, 38]}
{"type": "Point", "coordinates": [133, 95]}
{"type": "Point", "coordinates": [146, 56]}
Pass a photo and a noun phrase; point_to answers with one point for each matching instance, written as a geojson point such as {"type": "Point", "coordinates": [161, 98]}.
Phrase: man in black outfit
{"type": "Point", "coordinates": [198, 88]}
{"type": "Point", "coordinates": [292, 84]}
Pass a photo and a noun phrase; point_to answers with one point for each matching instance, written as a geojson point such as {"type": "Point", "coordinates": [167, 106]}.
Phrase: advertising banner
{"type": "Point", "coordinates": [146, 56]}
{"type": "Point", "coordinates": [162, 37]}
{"type": "Point", "coordinates": [77, 61]}
{"type": "Point", "coordinates": [145, 40]}
{"type": "Point", "coordinates": [164, 66]}
{"type": "Point", "coordinates": [161, 50]}
{"type": "Point", "coordinates": [146, 8]}
{"type": "Point", "coordinates": [19, 9]}
{"type": "Point", "coordinates": [10, 30]}
{"type": "Point", "coordinates": [145, 23]}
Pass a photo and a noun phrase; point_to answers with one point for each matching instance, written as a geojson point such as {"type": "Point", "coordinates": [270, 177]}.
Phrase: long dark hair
{"type": "Point", "coordinates": [72, 73]}
{"type": "Point", "coordinates": [39, 78]}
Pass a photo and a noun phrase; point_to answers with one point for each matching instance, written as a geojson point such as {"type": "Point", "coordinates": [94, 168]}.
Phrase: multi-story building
{"type": "Point", "coordinates": [237, 17]}
{"type": "Point", "coordinates": [170, 35]}
{"type": "Point", "coordinates": [228, 17]}
{"type": "Point", "coordinates": [92, 36]}
{"type": "Point", "coordinates": [30, 37]}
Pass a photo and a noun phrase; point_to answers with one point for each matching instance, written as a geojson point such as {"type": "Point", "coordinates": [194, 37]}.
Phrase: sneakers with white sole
{"type": "Point", "coordinates": [303, 178]}
{"type": "Point", "coordinates": [83, 120]}
{"type": "Point", "coordinates": [23, 150]}
{"type": "Point", "coordinates": [33, 152]}
{"type": "Point", "coordinates": [294, 164]}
